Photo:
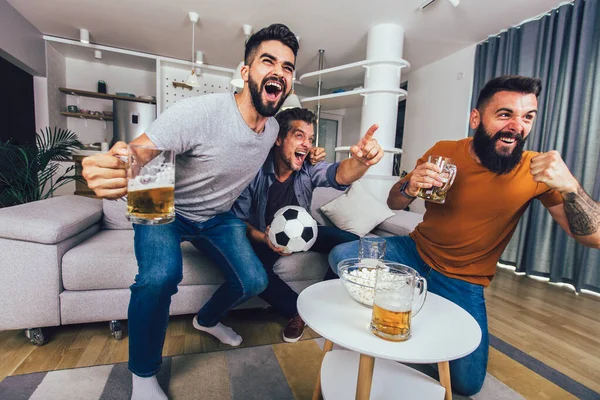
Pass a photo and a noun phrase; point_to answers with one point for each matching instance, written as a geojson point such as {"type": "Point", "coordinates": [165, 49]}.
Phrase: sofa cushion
{"type": "Point", "coordinates": [50, 221]}
{"type": "Point", "coordinates": [322, 196]}
{"type": "Point", "coordinates": [107, 261]}
{"type": "Point", "coordinates": [401, 224]}
{"type": "Point", "coordinates": [357, 211]}
{"type": "Point", "coordinates": [115, 214]}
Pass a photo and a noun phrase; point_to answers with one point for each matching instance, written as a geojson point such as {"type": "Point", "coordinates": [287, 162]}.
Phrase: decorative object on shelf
{"type": "Point", "coordinates": [192, 79]}
{"type": "Point", "coordinates": [101, 87]}
{"type": "Point", "coordinates": [152, 98]}
{"type": "Point", "coordinates": [125, 94]}
{"type": "Point", "coordinates": [237, 80]}
{"type": "Point", "coordinates": [107, 113]}
{"type": "Point", "coordinates": [84, 36]}
{"type": "Point", "coordinates": [30, 173]}
{"type": "Point", "coordinates": [87, 115]}
{"type": "Point", "coordinates": [96, 95]}
{"type": "Point", "coordinates": [84, 111]}
{"type": "Point", "coordinates": [181, 85]}
{"type": "Point", "coordinates": [72, 108]}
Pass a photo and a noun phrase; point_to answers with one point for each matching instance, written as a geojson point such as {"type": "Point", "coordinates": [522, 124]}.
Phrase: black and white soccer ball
{"type": "Point", "coordinates": [294, 229]}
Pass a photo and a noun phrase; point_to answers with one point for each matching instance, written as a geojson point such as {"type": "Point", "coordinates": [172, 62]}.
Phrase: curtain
{"type": "Point", "coordinates": [563, 50]}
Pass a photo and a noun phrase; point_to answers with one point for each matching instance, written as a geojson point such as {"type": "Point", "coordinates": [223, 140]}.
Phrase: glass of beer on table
{"type": "Point", "coordinates": [150, 185]}
{"type": "Point", "coordinates": [399, 295]}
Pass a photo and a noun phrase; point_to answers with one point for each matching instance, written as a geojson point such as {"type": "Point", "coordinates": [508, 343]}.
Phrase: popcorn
{"type": "Point", "coordinates": [362, 276]}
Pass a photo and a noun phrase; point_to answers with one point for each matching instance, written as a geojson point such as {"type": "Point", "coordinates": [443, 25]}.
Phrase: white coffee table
{"type": "Point", "coordinates": [441, 332]}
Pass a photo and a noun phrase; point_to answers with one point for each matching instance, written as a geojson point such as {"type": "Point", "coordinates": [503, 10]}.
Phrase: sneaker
{"type": "Point", "coordinates": [294, 330]}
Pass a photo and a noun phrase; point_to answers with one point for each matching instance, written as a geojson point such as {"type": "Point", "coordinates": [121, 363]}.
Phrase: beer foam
{"type": "Point", "coordinates": [163, 178]}
{"type": "Point", "coordinates": [392, 303]}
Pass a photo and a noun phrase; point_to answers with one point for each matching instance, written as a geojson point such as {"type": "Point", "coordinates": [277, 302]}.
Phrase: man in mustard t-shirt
{"type": "Point", "coordinates": [458, 244]}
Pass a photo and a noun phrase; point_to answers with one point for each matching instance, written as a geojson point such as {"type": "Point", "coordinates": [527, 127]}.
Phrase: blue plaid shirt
{"type": "Point", "coordinates": [251, 206]}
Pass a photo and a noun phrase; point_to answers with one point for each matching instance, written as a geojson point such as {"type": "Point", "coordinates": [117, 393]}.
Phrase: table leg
{"type": "Point", "coordinates": [326, 348]}
{"type": "Point", "coordinates": [365, 377]}
{"type": "Point", "coordinates": [444, 372]}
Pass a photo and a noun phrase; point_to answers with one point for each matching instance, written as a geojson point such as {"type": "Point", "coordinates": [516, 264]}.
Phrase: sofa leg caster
{"type": "Point", "coordinates": [116, 330]}
{"type": "Point", "coordinates": [35, 335]}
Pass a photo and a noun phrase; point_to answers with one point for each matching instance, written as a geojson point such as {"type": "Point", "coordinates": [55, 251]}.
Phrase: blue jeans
{"type": "Point", "coordinates": [278, 293]}
{"type": "Point", "coordinates": [467, 373]}
{"type": "Point", "coordinates": [158, 252]}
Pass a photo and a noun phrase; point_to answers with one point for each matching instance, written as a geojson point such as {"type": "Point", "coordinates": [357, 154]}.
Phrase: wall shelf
{"type": "Point", "coordinates": [105, 96]}
{"type": "Point", "coordinates": [349, 99]}
{"type": "Point", "coordinates": [86, 116]}
{"type": "Point", "coordinates": [344, 75]}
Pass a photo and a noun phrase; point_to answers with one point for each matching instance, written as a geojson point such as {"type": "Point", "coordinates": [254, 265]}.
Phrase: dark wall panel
{"type": "Point", "coordinates": [17, 109]}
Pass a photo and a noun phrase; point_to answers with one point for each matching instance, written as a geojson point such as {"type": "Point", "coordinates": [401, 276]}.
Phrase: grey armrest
{"type": "Point", "coordinates": [33, 239]}
{"type": "Point", "coordinates": [50, 221]}
{"type": "Point", "coordinates": [401, 224]}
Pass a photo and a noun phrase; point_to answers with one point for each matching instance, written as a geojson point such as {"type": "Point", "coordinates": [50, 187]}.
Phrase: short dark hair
{"type": "Point", "coordinates": [510, 83]}
{"type": "Point", "coordinates": [277, 32]}
{"type": "Point", "coordinates": [287, 116]}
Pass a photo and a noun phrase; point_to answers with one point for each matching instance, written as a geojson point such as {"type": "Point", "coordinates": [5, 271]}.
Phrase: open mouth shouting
{"type": "Point", "coordinates": [300, 156]}
{"type": "Point", "coordinates": [273, 89]}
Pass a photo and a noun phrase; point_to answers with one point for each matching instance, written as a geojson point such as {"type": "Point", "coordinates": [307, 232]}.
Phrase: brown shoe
{"type": "Point", "coordinates": [294, 330]}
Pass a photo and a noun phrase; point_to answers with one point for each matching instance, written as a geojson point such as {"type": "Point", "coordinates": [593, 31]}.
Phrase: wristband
{"type": "Point", "coordinates": [403, 191]}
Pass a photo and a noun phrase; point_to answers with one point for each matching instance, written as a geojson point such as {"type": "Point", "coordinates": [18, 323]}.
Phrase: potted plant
{"type": "Point", "coordinates": [30, 173]}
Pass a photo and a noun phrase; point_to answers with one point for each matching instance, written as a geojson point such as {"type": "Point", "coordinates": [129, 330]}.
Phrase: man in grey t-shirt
{"type": "Point", "coordinates": [221, 141]}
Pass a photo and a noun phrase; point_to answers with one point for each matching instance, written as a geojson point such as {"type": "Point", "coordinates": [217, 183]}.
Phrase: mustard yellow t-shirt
{"type": "Point", "coordinates": [465, 237]}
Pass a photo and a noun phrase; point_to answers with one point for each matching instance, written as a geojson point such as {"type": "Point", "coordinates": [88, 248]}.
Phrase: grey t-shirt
{"type": "Point", "coordinates": [217, 153]}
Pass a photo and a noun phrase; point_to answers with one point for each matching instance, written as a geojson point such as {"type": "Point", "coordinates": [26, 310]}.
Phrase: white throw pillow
{"type": "Point", "coordinates": [357, 211]}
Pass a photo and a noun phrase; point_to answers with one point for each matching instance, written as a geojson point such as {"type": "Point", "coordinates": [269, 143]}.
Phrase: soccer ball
{"type": "Point", "coordinates": [294, 229]}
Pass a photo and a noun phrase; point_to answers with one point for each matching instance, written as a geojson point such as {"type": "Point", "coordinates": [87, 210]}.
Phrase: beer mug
{"type": "Point", "coordinates": [448, 173]}
{"type": "Point", "coordinates": [151, 185]}
{"type": "Point", "coordinates": [399, 295]}
{"type": "Point", "coordinates": [371, 249]}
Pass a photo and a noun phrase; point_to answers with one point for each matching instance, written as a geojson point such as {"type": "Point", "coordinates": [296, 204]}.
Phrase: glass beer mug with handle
{"type": "Point", "coordinates": [448, 173]}
{"type": "Point", "coordinates": [400, 293]}
{"type": "Point", "coordinates": [150, 185]}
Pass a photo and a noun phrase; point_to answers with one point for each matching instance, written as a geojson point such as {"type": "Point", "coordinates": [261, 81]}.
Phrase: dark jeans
{"type": "Point", "coordinates": [282, 297]}
{"type": "Point", "coordinates": [158, 252]}
{"type": "Point", "coordinates": [467, 373]}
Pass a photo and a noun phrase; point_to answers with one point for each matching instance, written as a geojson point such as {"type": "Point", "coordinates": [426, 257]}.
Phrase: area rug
{"type": "Point", "coordinates": [284, 371]}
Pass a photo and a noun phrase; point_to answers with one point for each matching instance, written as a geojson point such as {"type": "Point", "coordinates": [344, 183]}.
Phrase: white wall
{"type": "Point", "coordinates": [20, 42]}
{"type": "Point", "coordinates": [84, 75]}
{"type": "Point", "coordinates": [437, 108]}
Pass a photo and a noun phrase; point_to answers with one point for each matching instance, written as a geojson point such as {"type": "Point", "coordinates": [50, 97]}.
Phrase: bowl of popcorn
{"type": "Point", "coordinates": [358, 277]}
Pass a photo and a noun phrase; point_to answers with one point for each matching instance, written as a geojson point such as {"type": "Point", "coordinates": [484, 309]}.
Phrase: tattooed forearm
{"type": "Point", "coordinates": [583, 213]}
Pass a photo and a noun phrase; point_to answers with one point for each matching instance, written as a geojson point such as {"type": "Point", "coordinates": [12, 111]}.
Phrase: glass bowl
{"type": "Point", "coordinates": [358, 277]}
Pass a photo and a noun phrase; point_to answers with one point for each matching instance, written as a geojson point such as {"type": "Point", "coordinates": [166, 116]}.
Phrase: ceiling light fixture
{"type": "Point", "coordinates": [98, 54]}
{"type": "Point", "coordinates": [427, 3]}
{"type": "Point", "coordinates": [237, 80]}
{"type": "Point", "coordinates": [292, 101]}
{"type": "Point", "coordinates": [192, 79]}
{"type": "Point", "coordinates": [199, 57]}
{"type": "Point", "coordinates": [84, 36]}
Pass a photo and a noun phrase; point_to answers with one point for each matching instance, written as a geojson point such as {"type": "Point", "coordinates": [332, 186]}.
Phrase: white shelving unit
{"type": "Point", "coordinates": [347, 74]}
{"type": "Point", "coordinates": [350, 99]}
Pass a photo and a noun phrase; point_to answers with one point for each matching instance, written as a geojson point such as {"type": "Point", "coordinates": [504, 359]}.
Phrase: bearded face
{"type": "Point", "coordinates": [267, 95]}
{"type": "Point", "coordinates": [494, 150]}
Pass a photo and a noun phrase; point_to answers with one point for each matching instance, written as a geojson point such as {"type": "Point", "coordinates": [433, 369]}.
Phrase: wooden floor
{"type": "Point", "coordinates": [549, 323]}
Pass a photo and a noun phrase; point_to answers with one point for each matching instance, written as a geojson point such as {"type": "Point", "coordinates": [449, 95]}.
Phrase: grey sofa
{"type": "Point", "coordinates": [60, 264]}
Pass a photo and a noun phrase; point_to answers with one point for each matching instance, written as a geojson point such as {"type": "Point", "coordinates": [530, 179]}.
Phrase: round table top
{"type": "Point", "coordinates": [441, 331]}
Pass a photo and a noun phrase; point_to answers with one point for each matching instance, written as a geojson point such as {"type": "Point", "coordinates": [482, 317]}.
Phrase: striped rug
{"type": "Point", "coordinates": [285, 371]}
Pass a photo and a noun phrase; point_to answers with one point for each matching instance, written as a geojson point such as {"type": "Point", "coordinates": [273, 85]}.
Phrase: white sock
{"type": "Point", "coordinates": [224, 333]}
{"type": "Point", "coordinates": [146, 389]}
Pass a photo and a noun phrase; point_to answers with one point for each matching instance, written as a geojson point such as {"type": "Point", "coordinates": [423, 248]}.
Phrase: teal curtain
{"type": "Point", "coordinates": [563, 50]}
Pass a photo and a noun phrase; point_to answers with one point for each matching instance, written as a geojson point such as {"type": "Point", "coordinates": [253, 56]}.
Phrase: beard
{"type": "Point", "coordinates": [485, 149]}
{"type": "Point", "coordinates": [268, 108]}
